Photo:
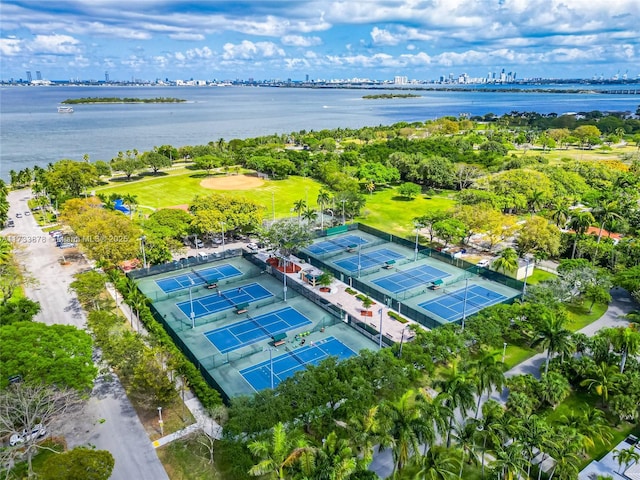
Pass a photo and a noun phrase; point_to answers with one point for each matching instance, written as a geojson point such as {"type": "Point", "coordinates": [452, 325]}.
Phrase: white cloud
{"type": "Point", "coordinates": [300, 41]}
{"type": "Point", "coordinates": [110, 31]}
{"type": "Point", "coordinates": [10, 46]}
{"type": "Point", "coordinates": [381, 36]}
{"type": "Point", "coordinates": [247, 50]}
{"type": "Point", "coordinates": [196, 37]}
{"type": "Point", "coordinates": [204, 52]}
{"type": "Point", "coordinates": [58, 44]}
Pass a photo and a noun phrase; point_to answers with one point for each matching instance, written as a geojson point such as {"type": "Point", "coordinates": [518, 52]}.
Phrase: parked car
{"type": "Point", "coordinates": [484, 263]}
{"type": "Point", "coordinates": [198, 243]}
{"type": "Point", "coordinates": [17, 438]}
{"type": "Point", "coordinates": [18, 215]}
{"type": "Point", "coordinates": [27, 213]}
{"type": "Point", "coordinates": [11, 223]}
{"type": "Point", "coordinates": [252, 246]}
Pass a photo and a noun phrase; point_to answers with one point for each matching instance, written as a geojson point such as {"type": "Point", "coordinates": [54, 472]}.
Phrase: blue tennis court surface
{"type": "Point", "coordinates": [284, 366]}
{"type": "Point", "coordinates": [335, 244]}
{"type": "Point", "coordinates": [224, 300]}
{"type": "Point", "coordinates": [252, 330]}
{"type": "Point", "coordinates": [199, 277]}
{"type": "Point", "coordinates": [411, 278]}
{"type": "Point", "coordinates": [370, 259]}
{"type": "Point", "coordinates": [450, 306]}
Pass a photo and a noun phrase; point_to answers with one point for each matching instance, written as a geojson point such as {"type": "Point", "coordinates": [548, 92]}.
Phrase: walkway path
{"type": "Point", "coordinates": [108, 420]}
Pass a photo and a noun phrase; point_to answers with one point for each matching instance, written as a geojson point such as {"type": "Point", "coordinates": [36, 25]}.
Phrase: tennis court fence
{"type": "Point", "coordinates": [182, 264]}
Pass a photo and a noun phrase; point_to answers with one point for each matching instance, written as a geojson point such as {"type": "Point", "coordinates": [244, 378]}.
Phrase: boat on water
{"type": "Point", "coordinates": [65, 109]}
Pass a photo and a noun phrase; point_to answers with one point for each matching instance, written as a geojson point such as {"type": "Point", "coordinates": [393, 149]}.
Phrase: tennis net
{"type": "Point", "coordinates": [420, 280]}
{"type": "Point", "coordinates": [204, 280]}
{"type": "Point", "coordinates": [460, 295]}
{"type": "Point", "coordinates": [297, 358]}
{"type": "Point", "coordinates": [221, 293]}
{"type": "Point", "coordinates": [267, 332]}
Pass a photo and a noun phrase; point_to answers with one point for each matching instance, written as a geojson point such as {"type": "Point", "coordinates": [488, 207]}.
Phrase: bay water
{"type": "Point", "coordinates": [32, 132]}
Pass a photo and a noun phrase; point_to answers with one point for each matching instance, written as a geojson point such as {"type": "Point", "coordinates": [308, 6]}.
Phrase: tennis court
{"type": "Point", "coordinates": [335, 245]}
{"type": "Point", "coordinates": [284, 366]}
{"type": "Point", "coordinates": [224, 300]}
{"type": "Point", "coordinates": [451, 305]}
{"type": "Point", "coordinates": [252, 330]}
{"type": "Point", "coordinates": [370, 259]}
{"type": "Point", "coordinates": [198, 277]}
{"type": "Point", "coordinates": [404, 280]}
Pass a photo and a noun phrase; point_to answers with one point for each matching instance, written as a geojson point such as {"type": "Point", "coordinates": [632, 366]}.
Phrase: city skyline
{"type": "Point", "coordinates": [318, 39]}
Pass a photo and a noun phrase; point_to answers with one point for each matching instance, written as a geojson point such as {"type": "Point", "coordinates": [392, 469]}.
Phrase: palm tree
{"type": "Point", "coordinates": [489, 374]}
{"type": "Point", "coordinates": [309, 215]}
{"type": "Point", "coordinates": [437, 464]}
{"type": "Point", "coordinates": [403, 419]}
{"type": "Point", "coordinates": [464, 434]}
{"type": "Point", "coordinates": [366, 431]}
{"type": "Point", "coordinates": [552, 335]}
{"type": "Point", "coordinates": [492, 411]}
{"type": "Point", "coordinates": [553, 388]}
{"type": "Point", "coordinates": [536, 434]}
{"type": "Point", "coordinates": [457, 389]}
{"type": "Point", "coordinates": [298, 207]}
{"type": "Point", "coordinates": [507, 261]}
{"type": "Point", "coordinates": [277, 454]}
{"type": "Point", "coordinates": [590, 424]}
{"type": "Point", "coordinates": [626, 456]}
{"type": "Point", "coordinates": [335, 460]}
{"type": "Point", "coordinates": [627, 341]}
{"type": "Point", "coordinates": [130, 201]}
{"type": "Point", "coordinates": [606, 212]}
{"type": "Point", "coordinates": [323, 199]}
{"type": "Point", "coordinates": [509, 461]}
{"type": "Point", "coordinates": [604, 380]}
{"type": "Point", "coordinates": [561, 214]}
{"type": "Point", "coordinates": [565, 454]}
{"type": "Point", "coordinates": [579, 223]}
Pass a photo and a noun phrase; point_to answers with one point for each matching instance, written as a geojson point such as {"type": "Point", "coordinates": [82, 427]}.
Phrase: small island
{"type": "Point", "coordinates": [390, 95]}
{"type": "Point", "coordinates": [76, 101]}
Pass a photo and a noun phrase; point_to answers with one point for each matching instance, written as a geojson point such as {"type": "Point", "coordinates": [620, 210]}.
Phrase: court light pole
{"type": "Point", "coordinates": [344, 220]}
{"type": "Point", "coordinates": [504, 351]}
{"type": "Point", "coordinates": [284, 280]}
{"type": "Point", "coordinates": [401, 342]}
{"type": "Point", "coordinates": [464, 305]}
{"type": "Point", "coordinates": [359, 266]}
{"type": "Point", "coordinates": [222, 225]}
{"type": "Point", "coordinates": [144, 255]}
{"type": "Point", "coordinates": [160, 422]}
{"type": "Point", "coordinates": [415, 251]}
{"type": "Point", "coordinates": [380, 341]}
{"type": "Point", "coordinates": [526, 274]}
{"type": "Point", "coordinates": [192, 314]}
{"type": "Point", "coordinates": [271, 350]}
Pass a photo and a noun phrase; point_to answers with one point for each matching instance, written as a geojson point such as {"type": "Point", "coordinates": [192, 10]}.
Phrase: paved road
{"type": "Point", "coordinates": [108, 420]}
{"type": "Point", "coordinates": [621, 304]}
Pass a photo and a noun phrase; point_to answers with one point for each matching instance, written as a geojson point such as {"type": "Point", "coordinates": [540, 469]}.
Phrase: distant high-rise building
{"type": "Point", "coordinates": [306, 77]}
{"type": "Point", "coordinates": [38, 75]}
{"type": "Point", "coordinates": [29, 78]}
{"type": "Point", "coordinates": [400, 80]}
{"type": "Point", "coordinates": [106, 77]}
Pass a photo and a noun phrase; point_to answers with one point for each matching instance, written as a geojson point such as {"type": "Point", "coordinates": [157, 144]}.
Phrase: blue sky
{"type": "Point", "coordinates": [325, 39]}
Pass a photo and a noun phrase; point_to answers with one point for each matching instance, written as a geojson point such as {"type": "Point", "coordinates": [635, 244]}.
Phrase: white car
{"type": "Point", "coordinates": [17, 438]}
{"type": "Point", "coordinates": [252, 246]}
{"type": "Point", "coordinates": [484, 263]}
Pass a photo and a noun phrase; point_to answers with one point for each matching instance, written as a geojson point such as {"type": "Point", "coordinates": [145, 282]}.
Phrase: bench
{"type": "Point", "coordinates": [279, 339]}
{"type": "Point", "coordinates": [242, 308]}
{"type": "Point", "coordinates": [389, 264]}
{"type": "Point", "coordinates": [366, 313]}
{"type": "Point", "coordinates": [436, 284]}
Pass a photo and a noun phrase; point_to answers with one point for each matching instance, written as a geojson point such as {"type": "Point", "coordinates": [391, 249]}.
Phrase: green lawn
{"type": "Point", "coordinates": [181, 186]}
{"type": "Point", "coordinates": [539, 276]}
{"type": "Point", "coordinates": [387, 211]}
{"type": "Point", "coordinates": [579, 316]}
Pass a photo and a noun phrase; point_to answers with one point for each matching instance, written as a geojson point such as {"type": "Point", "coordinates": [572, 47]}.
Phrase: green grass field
{"type": "Point", "coordinates": [389, 212]}
{"type": "Point", "coordinates": [181, 186]}
{"type": "Point", "coordinates": [539, 276]}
